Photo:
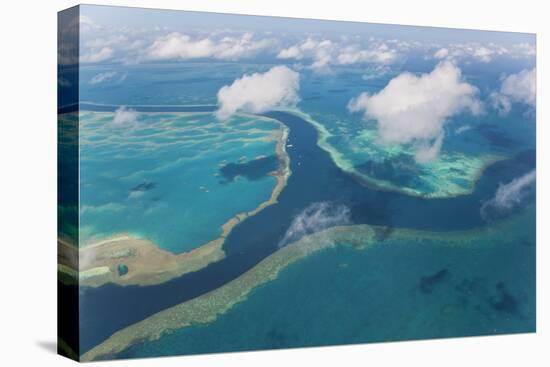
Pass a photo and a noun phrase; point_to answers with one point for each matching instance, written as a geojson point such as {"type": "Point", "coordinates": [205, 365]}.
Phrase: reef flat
{"type": "Point", "coordinates": [145, 262]}
{"type": "Point", "coordinates": [207, 307]}
{"type": "Point", "coordinates": [451, 175]}
{"type": "Point", "coordinates": [126, 259]}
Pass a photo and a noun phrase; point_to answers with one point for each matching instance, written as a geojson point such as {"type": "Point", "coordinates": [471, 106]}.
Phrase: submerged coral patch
{"type": "Point", "coordinates": [251, 170]}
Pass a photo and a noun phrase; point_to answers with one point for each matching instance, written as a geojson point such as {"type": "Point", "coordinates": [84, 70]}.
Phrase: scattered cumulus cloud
{"type": "Point", "coordinates": [509, 196]}
{"type": "Point", "coordinates": [314, 218]}
{"type": "Point", "coordinates": [125, 116]}
{"type": "Point", "coordinates": [306, 48]}
{"type": "Point", "coordinates": [130, 45]}
{"type": "Point", "coordinates": [404, 45]}
{"type": "Point", "coordinates": [376, 72]}
{"type": "Point", "coordinates": [111, 40]}
{"type": "Point", "coordinates": [516, 88]}
{"type": "Point", "coordinates": [320, 52]}
{"type": "Point", "coordinates": [324, 53]}
{"type": "Point", "coordinates": [292, 52]}
{"type": "Point", "coordinates": [259, 92]}
{"type": "Point", "coordinates": [101, 77]}
{"type": "Point", "coordinates": [182, 46]}
{"type": "Point", "coordinates": [414, 109]}
{"type": "Point", "coordinates": [97, 55]}
{"type": "Point", "coordinates": [427, 151]}
{"type": "Point", "coordinates": [462, 129]}
{"type": "Point", "coordinates": [524, 50]}
{"type": "Point", "coordinates": [460, 51]}
{"type": "Point", "coordinates": [87, 24]}
{"type": "Point", "coordinates": [442, 53]}
{"type": "Point", "coordinates": [483, 53]}
{"type": "Point", "coordinates": [354, 55]}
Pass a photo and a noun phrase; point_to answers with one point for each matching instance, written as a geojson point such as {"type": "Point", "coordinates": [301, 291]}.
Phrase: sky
{"type": "Point", "coordinates": [191, 20]}
{"type": "Point", "coordinates": [135, 35]}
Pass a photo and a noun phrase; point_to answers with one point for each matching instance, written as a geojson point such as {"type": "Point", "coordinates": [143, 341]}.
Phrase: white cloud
{"type": "Point", "coordinates": [259, 92]}
{"type": "Point", "coordinates": [462, 129]}
{"type": "Point", "coordinates": [111, 40]}
{"type": "Point", "coordinates": [485, 52]}
{"type": "Point", "coordinates": [182, 46]}
{"type": "Point", "coordinates": [86, 24]}
{"type": "Point", "coordinates": [512, 193]}
{"type": "Point", "coordinates": [429, 151]}
{"type": "Point", "coordinates": [521, 87]}
{"type": "Point", "coordinates": [509, 195]}
{"type": "Point", "coordinates": [101, 77]}
{"type": "Point", "coordinates": [314, 218]}
{"type": "Point", "coordinates": [518, 88]}
{"type": "Point", "coordinates": [375, 72]}
{"type": "Point", "coordinates": [414, 109]}
{"type": "Point", "coordinates": [132, 45]}
{"type": "Point", "coordinates": [114, 43]}
{"type": "Point", "coordinates": [524, 50]}
{"type": "Point", "coordinates": [299, 51]}
{"type": "Point", "coordinates": [324, 53]}
{"type": "Point", "coordinates": [292, 52]}
{"type": "Point", "coordinates": [441, 53]}
{"type": "Point", "coordinates": [177, 45]}
{"type": "Point", "coordinates": [320, 52]}
{"type": "Point", "coordinates": [140, 44]}
{"type": "Point", "coordinates": [125, 116]}
{"type": "Point", "coordinates": [352, 55]}
{"type": "Point", "coordinates": [456, 52]}
{"type": "Point", "coordinates": [99, 55]}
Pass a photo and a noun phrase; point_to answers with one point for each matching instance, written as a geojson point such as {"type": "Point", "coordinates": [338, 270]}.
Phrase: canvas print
{"type": "Point", "coordinates": [235, 183]}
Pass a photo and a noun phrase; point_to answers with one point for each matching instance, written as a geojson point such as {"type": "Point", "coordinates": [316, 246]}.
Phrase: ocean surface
{"type": "Point", "coordinates": [393, 291]}
{"type": "Point", "coordinates": [469, 141]}
{"type": "Point", "coordinates": [167, 177]}
{"type": "Point", "coordinates": [397, 290]}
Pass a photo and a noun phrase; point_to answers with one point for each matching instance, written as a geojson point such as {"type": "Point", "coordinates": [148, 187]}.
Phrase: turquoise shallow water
{"type": "Point", "coordinates": [162, 177]}
{"type": "Point", "coordinates": [398, 290]}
